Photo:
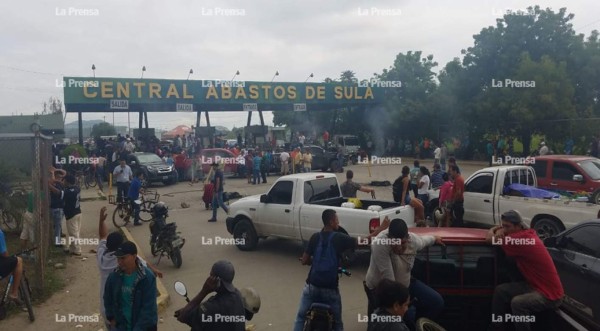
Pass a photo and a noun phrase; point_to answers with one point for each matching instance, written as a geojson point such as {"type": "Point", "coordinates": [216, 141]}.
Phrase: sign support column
{"type": "Point", "coordinates": [80, 123]}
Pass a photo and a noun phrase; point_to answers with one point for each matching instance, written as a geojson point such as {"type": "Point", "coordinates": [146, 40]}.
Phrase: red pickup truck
{"type": "Point", "coordinates": [570, 173]}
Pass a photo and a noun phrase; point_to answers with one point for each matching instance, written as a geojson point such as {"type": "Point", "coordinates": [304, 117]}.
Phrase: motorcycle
{"type": "Point", "coordinates": [164, 239]}
{"type": "Point", "coordinates": [319, 316]}
{"type": "Point", "coordinates": [250, 298]}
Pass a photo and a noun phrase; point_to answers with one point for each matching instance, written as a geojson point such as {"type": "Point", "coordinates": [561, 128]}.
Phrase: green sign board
{"type": "Point", "coordinates": [88, 94]}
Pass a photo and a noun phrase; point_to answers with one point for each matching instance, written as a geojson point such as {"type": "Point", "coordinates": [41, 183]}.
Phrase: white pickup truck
{"type": "Point", "coordinates": [485, 202]}
{"type": "Point", "coordinates": [293, 207]}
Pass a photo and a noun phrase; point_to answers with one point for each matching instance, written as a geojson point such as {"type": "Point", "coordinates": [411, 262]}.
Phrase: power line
{"type": "Point", "coordinates": [31, 71]}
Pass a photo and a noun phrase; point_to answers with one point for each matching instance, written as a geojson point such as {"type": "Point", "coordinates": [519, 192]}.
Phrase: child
{"type": "Point", "coordinates": [393, 300]}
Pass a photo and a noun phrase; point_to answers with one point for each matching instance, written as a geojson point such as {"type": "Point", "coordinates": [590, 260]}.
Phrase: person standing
{"type": "Point", "coordinates": [217, 200]}
{"type": "Point", "coordinates": [256, 161]}
{"type": "Point", "coordinates": [307, 160]}
{"type": "Point", "coordinates": [106, 259]}
{"type": "Point", "coordinates": [284, 157]}
{"type": "Point", "coordinates": [437, 155]}
{"type": "Point", "coordinates": [134, 194]}
{"type": "Point", "coordinates": [414, 178]}
{"type": "Point", "coordinates": [400, 191]}
{"type": "Point", "coordinates": [72, 212]}
{"type": "Point", "coordinates": [541, 290]}
{"type": "Point", "coordinates": [423, 186]}
{"type": "Point", "coordinates": [569, 146]}
{"type": "Point", "coordinates": [543, 149]}
{"type": "Point", "coordinates": [100, 166]}
{"type": "Point", "coordinates": [249, 162]}
{"type": "Point", "coordinates": [436, 177]}
{"type": "Point", "coordinates": [130, 293]}
{"type": "Point", "coordinates": [124, 176]}
{"type": "Point", "coordinates": [264, 166]}
{"type": "Point", "coordinates": [456, 203]}
{"type": "Point", "coordinates": [443, 156]}
{"type": "Point", "coordinates": [325, 139]}
{"type": "Point", "coordinates": [392, 257]}
{"type": "Point", "coordinates": [489, 152]}
{"type": "Point", "coordinates": [297, 156]}
{"type": "Point", "coordinates": [349, 187]}
{"type": "Point", "coordinates": [57, 202]}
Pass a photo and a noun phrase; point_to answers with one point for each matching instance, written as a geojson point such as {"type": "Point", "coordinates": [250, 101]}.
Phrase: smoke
{"type": "Point", "coordinates": [377, 119]}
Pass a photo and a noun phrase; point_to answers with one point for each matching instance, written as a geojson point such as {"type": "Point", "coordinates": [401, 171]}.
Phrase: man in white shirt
{"type": "Point", "coordinates": [437, 155]}
{"type": "Point", "coordinates": [285, 158]}
{"type": "Point", "coordinates": [123, 176]}
{"type": "Point", "coordinates": [543, 149]}
{"type": "Point", "coordinates": [393, 254]}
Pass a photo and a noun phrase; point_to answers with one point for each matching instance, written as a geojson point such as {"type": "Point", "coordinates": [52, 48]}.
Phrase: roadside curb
{"type": "Point", "coordinates": [163, 300]}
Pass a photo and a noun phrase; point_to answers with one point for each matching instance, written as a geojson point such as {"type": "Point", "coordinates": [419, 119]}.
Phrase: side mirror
{"type": "Point", "coordinates": [577, 178]}
{"type": "Point", "coordinates": [133, 163]}
{"type": "Point", "coordinates": [265, 198]}
{"type": "Point", "coordinates": [180, 288]}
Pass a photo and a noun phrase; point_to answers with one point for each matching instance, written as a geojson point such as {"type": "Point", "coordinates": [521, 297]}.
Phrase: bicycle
{"type": "Point", "coordinates": [24, 291]}
{"type": "Point", "coordinates": [425, 324]}
{"type": "Point", "coordinates": [124, 213]}
{"type": "Point", "coordinates": [12, 219]}
{"type": "Point", "coordinates": [86, 178]}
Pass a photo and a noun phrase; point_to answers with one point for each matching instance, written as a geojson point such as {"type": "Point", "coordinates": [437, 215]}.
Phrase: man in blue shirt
{"type": "Point", "coordinates": [10, 265]}
{"type": "Point", "coordinates": [134, 194]}
{"type": "Point", "coordinates": [256, 168]}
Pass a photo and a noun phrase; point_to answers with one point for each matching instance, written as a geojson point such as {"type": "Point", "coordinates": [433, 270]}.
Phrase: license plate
{"type": "Point", "coordinates": [165, 177]}
{"type": "Point", "coordinates": [177, 242]}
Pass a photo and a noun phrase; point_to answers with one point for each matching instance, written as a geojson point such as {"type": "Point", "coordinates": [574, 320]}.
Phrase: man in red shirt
{"type": "Point", "coordinates": [456, 203]}
{"type": "Point", "coordinates": [541, 290]}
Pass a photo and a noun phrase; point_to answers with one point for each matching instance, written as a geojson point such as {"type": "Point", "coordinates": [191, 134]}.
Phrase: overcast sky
{"type": "Point", "coordinates": [40, 41]}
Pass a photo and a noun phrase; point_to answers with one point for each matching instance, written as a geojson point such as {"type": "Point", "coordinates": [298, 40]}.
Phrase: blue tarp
{"type": "Point", "coordinates": [531, 191]}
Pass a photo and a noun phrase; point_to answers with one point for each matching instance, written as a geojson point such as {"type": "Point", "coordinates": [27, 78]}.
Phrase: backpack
{"type": "Point", "coordinates": [324, 269]}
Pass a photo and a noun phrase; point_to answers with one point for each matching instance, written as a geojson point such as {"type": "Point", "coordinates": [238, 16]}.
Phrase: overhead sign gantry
{"type": "Point", "coordinates": [99, 95]}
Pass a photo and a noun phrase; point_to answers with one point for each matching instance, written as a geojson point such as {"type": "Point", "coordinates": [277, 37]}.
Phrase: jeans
{"type": "Point", "coordinates": [443, 164]}
{"type": "Point", "coordinates": [312, 294]}
{"type": "Point", "coordinates": [458, 211]}
{"type": "Point", "coordinates": [415, 189]}
{"type": "Point", "coordinates": [136, 211]}
{"type": "Point", "coordinates": [57, 216]}
{"type": "Point", "coordinates": [518, 299]}
{"type": "Point", "coordinates": [426, 302]}
{"type": "Point", "coordinates": [122, 190]}
{"type": "Point", "coordinates": [255, 176]}
{"type": "Point", "coordinates": [217, 202]}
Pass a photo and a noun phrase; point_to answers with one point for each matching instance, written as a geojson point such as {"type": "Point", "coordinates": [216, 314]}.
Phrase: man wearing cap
{"type": "Point", "coordinates": [130, 293]}
{"type": "Point", "coordinates": [221, 312]}
{"type": "Point", "coordinates": [105, 258]}
{"type": "Point", "coordinates": [541, 290]}
{"type": "Point", "coordinates": [393, 254]}
{"type": "Point", "coordinates": [217, 200]}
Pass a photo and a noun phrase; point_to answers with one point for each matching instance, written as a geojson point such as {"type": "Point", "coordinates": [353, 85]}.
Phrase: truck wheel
{"type": "Point", "coordinates": [245, 235]}
{"type": "Point", "coordinates": [595, 197]}
{"type": "Point", "coordinates": [354, 160]}
{"type": "Point", "coordinates": [547, 228]}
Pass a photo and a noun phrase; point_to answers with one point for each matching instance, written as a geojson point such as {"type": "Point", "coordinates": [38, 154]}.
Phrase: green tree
{"type": "Point", "coordinates": [103, 129]}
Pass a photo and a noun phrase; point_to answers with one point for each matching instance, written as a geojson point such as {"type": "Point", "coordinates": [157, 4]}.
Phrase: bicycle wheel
{"type": "Point", "coordinates": [25, 292]}
{"type": "Point", "coordinates": [145, 211]}
{"type": "Point", "coordinates": [90, 181]}
{"type": "Point", "coordinates": [425, 324]}
{"type": "Point", "coordinates": [120, 216]}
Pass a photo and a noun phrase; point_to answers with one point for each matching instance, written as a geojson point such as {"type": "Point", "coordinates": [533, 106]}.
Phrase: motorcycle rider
{"type": "Point", "coordinates": [222, 312]}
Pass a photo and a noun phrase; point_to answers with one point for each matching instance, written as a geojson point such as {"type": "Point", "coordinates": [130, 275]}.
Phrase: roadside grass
{"type": "Point", "coordinates": [54, 279]}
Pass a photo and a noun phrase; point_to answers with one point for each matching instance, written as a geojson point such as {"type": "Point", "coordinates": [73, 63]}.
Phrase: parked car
{"type": "Point", "coordinates": [576, 254]}
{"type": "Point", "coordinates": [154, 168]}
{"type": "Point", "coordinates": [465, 272]}
{"type": "Point", "coordinates": [485, 200]}
{"type": "Point", "coordinates": [569, 173]}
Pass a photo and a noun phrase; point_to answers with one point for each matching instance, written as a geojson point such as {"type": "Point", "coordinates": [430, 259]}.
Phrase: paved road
{"type": "Point", "coordinates": [273, 269]}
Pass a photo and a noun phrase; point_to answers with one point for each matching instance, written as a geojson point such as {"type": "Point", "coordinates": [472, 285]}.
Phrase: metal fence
{"type": "Point", "coordinates": [31, 154]}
